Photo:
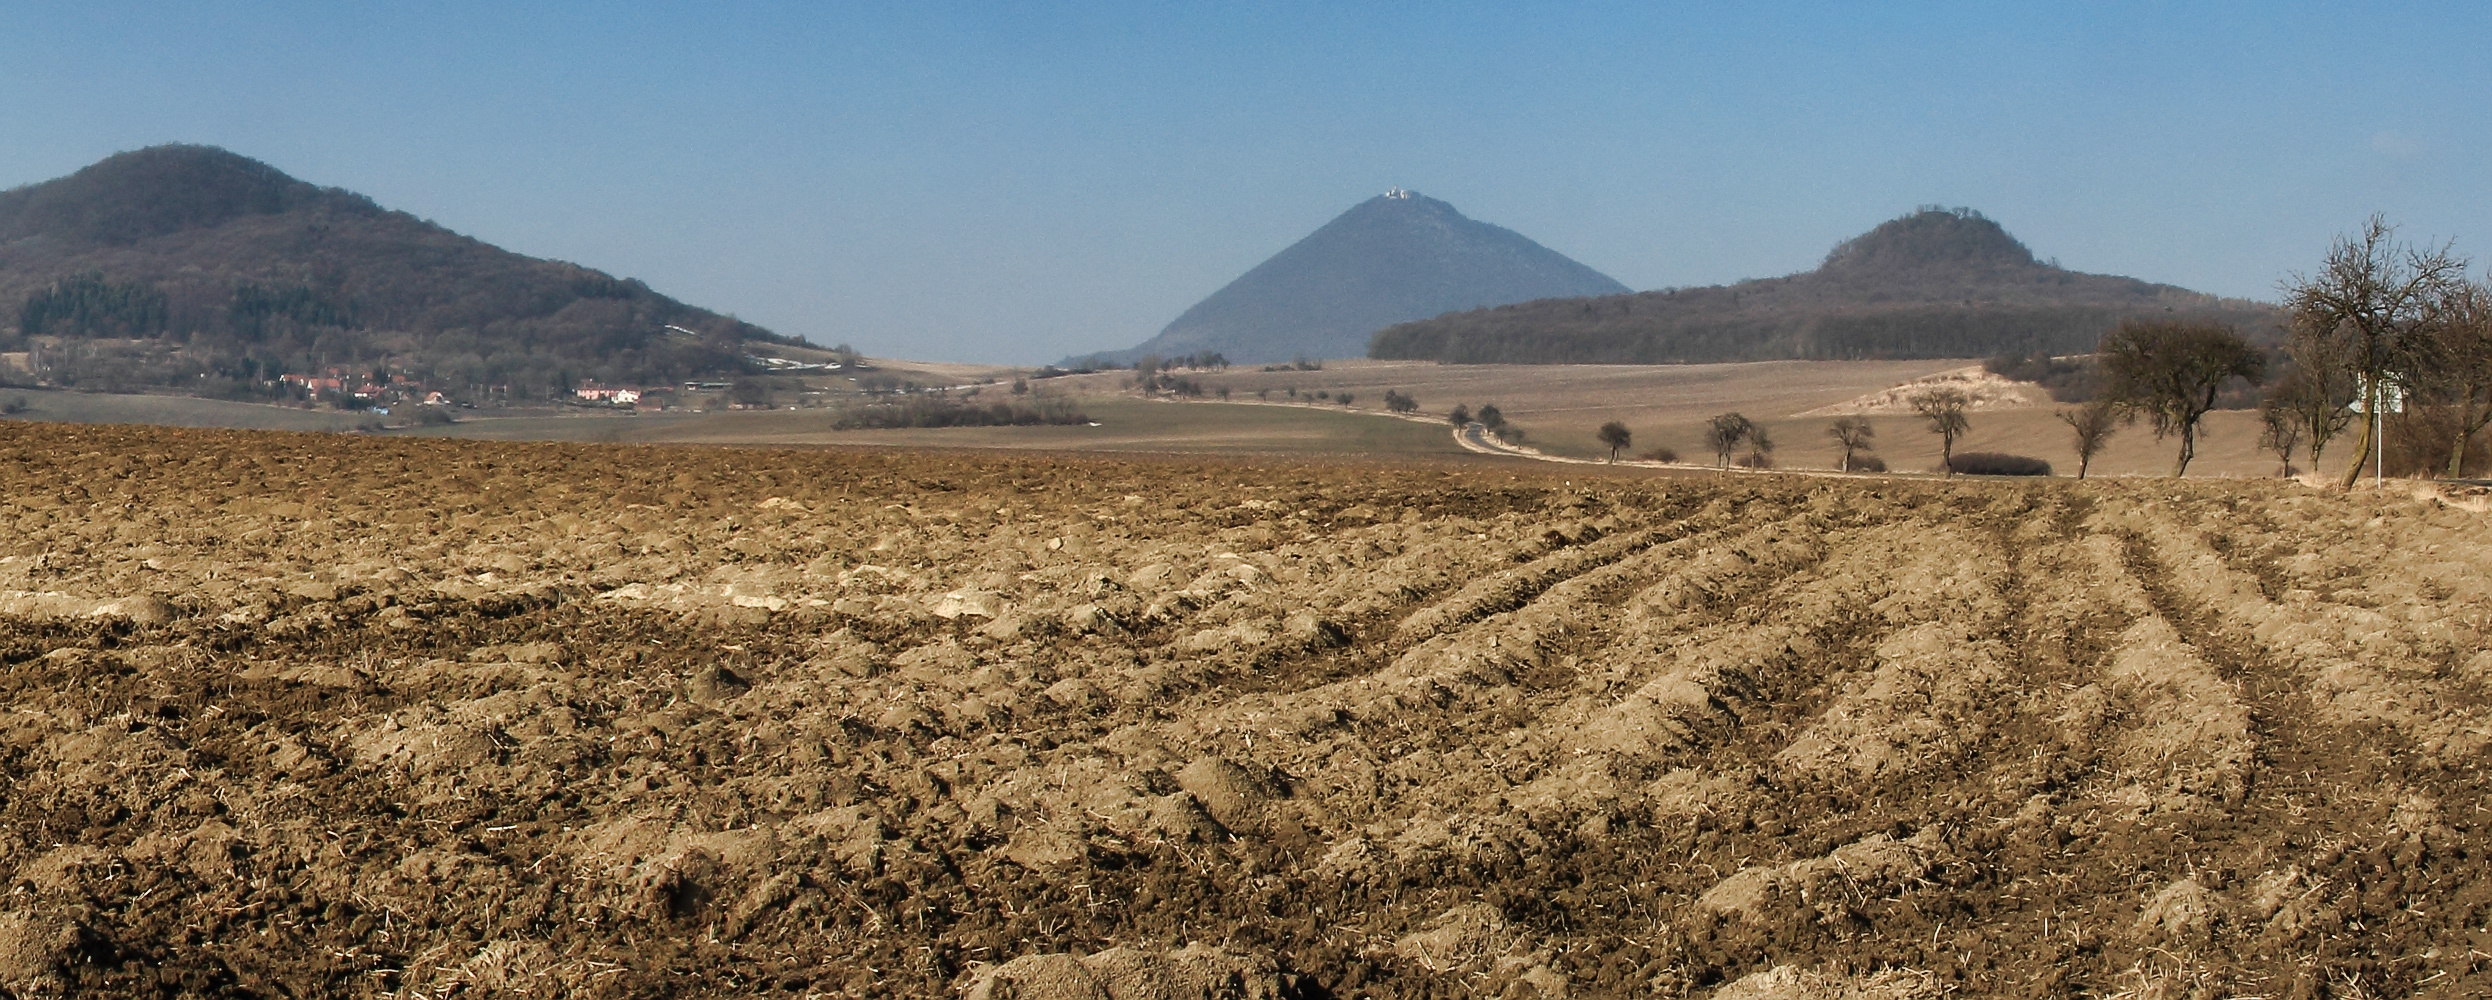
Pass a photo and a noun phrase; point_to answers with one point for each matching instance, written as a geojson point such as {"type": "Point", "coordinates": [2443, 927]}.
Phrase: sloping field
{"type": "Point", "coordinates": [1561, 409]}
{"type": "Point", "coordinates": [318, 715]}
{"type": "Point", "coordinates": [60, 406]}
{"type": "Point", "coordinates": [1124, 423]}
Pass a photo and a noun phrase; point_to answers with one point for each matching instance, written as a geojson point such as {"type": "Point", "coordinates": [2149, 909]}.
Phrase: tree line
{"type": "Point", "coordinates": [2388, 341]}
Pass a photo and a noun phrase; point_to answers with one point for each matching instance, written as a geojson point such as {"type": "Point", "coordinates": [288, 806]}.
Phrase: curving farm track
{"type": "Point", "coordinates": [295, 715]}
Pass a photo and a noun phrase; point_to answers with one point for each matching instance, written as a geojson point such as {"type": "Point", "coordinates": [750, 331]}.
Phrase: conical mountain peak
{"type": "Point", "coordinates": [1392, 258]}
{"type": "Point", "coordinates": [158, 190]}
{"type": "Point", "coordinates": [1930, 237]}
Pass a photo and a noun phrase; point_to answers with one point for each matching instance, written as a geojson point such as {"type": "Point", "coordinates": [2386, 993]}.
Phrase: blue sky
{"type": "Point", "coordinates": [1022, 182]}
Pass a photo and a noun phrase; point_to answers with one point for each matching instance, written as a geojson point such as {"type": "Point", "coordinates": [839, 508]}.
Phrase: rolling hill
{"type": "Point", "coordinates": [193, 267]}
{"type": "Point", "coordinates": [1398, 256]}
{"type": "Point", "coordinates": [1937, 283]}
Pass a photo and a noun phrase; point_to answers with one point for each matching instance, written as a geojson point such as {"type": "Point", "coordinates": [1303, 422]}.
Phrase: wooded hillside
{"type": "Point", "coordinates": [194, 267]}
{"type": "Point", "coordinates": [1936, 283]}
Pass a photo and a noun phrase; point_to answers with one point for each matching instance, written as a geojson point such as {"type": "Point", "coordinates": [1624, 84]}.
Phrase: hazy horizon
{"type": "Point", "coordinates": [1003, 184]}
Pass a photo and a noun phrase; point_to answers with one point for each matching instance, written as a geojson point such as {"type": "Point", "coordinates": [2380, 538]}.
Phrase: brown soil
{"type": "Point", "coordinates": [321, 716]}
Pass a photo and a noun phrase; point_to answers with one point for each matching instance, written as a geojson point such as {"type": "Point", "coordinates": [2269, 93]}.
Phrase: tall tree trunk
{"type": "Point", "coordinates": [2467, 425]}
{"type": "Point", "coordinates": [2457, 450]}
{"type": "Point", "coordinates": [2362, 445]}
{"type": "Point", "coordinates": [2188, 449]}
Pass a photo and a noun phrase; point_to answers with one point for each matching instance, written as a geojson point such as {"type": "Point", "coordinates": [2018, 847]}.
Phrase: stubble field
{"type": "Point", "coordinates": [325, 716]}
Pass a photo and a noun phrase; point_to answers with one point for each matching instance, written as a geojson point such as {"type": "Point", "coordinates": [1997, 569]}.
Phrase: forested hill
{"type": "Point", "coordinates": [1937, 283]}
{"type": "Point", "coordinates": [1396, 256]}
{"type": "Point", "coordinates": [192, 266]}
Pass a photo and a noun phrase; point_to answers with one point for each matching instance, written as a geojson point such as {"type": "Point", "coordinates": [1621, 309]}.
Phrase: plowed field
{"type": "Point", "coordinates": [322, 716]}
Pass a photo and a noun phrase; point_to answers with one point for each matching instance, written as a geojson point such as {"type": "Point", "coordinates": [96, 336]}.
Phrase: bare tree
{"type": "Point", "coordinates": [1855, 435]}
{"type": "Point", "coordinates": [1944, 408]}
{"type": "Point", "coordinates": [2319, 389]}
{"type": "Point", "coordinates": [1724, 433]}
{"type": "Point", "coordinates": [2093, 424]}
{"type": "Point", "coordinates": [1616, 436]}
{"type": "Point", "coordinates": [2374, 294]}
{"type": "Point", "coordinates": [1760, 449]}
{"type": "Point", "coordinates": [2460, 375]}
{"type": "Point", "coordinates": [2280, 432]}
{"type": "Point", "coordinates": [2171, 371]}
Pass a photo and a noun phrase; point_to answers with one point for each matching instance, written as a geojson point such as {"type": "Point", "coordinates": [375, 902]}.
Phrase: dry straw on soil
{"type": "Point", "coordinates": [293, 715]}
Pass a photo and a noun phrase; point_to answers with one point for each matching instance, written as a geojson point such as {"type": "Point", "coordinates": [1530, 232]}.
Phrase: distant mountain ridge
{"type": "Point", "coordinates": [1931, 284]}
{"type": "Point", "coordinates": [195, 267]}
{"type": "Point", "coordinates": [1398, 256]}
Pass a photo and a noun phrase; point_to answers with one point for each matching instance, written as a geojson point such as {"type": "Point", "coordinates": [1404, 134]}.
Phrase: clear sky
{"type": "Point", "coordinates": [1020, 182]}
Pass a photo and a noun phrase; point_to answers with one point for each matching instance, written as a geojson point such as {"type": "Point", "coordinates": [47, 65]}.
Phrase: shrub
{"type": "Point", "coordinates": [1755, 460]}
{"type": "Point", "coordinates": [15, 406]}
{"type": "Point", "coordinates": [935, 411]}
{"type": "Point", "coordinates": [432, 416]}
{"type": "Point", "coordinates": [2070, 380]}
{"type": "Point", "coordinates": [1164, 384]}
{"type": "Point", "coordinates": [1868, 463]}
{"type": "Point", "coordinates": [1662, 454]}
{"type": "Point", "coordinates": [1991, 463]}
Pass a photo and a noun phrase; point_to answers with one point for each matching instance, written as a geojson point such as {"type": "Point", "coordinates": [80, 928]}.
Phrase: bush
{"type": "Point", "coordinates": [1755, 460]}
{"type": "Point", "coordinates": [15, 406]}
{"type": "Point", "coordinates": [1663, 454]}
{"type": "Point", "coordinates": [1869, 463]}
{"type": "Point", "coordinates": [2068, 381]}
{"type": "Point", "coordinates": [1155, 382]}
{"type": "Point", "coordinates": [935, 411]}
{"type": "Point", "coordinates": [432, 416]}
{"type": "Point", "coordinates": [1991, 463]}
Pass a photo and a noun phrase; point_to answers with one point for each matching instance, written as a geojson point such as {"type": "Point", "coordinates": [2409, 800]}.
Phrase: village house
{"type": "Point", "coordinates": [315, 384]}
{"type": "Point", "coordinates": [616, 394]}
